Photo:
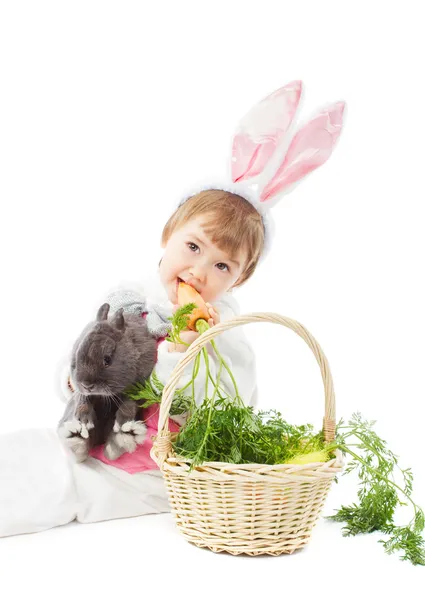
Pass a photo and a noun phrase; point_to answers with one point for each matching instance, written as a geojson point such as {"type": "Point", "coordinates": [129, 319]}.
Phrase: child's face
{"type": "Point", "coordinates": [191, 257]}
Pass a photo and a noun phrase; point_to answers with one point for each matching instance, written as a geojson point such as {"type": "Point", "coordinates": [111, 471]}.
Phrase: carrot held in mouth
{"type": "Point", "coordinates": [198, 318]}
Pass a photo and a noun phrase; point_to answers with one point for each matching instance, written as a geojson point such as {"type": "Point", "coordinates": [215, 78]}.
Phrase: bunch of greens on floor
{"type": "Point", "coordinates": [223, 429]}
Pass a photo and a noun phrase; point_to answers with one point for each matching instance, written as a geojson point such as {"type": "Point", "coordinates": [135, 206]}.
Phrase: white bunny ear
{"type": "Point", "coordinates": [311, 147]}
{"type": "Point", "coordinates": [261, 129]}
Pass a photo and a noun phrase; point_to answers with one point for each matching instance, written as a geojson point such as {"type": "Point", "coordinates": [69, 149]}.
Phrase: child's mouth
{"type": "Point", "coordinates": [178, 280]}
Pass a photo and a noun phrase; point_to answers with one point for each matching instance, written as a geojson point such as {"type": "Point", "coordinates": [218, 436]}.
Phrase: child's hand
{"type": "Point", "coordinates": [186, 336]}
{"type": "Point", "coordinates": [215, 317]}
{"type": "Point", "coordinates": [190, 336]}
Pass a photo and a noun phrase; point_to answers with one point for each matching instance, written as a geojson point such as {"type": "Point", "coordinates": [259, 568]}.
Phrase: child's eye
{"type": "Point", "coordinates": [224, 265]}
{"type": "Point", "coordinates": [190, 244]}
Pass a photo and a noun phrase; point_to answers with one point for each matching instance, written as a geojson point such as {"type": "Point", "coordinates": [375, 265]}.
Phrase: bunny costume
{"type": "Point", "coordinates": [42, 486]}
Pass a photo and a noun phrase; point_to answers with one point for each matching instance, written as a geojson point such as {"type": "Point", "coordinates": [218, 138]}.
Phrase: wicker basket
{"type": "Point", "coordinates": [246, 508]}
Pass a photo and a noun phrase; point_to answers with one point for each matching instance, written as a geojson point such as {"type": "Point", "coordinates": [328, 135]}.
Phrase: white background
{"type": "Point", "coordinates": [108, 111]}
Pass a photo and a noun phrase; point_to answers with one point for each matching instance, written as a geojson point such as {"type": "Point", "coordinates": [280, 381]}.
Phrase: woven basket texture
{"type": "Point", "coordinates": [248, 509]}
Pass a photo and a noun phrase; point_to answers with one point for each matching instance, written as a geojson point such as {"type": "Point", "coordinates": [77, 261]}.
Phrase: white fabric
{"type": "Point", "coordinates": [41, 486]}
{"type": "Point", "coordinates": [105, 492]}
{"type": "Point", "coordinates": [37, 489]}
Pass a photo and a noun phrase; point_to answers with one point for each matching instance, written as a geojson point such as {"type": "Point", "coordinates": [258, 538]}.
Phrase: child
{"type": "Point", "coordinates": [213, 241]}
{"type": "Point", "coordinates": [46, 487]}
{"type": "Point", "coordinates": [202, 251]}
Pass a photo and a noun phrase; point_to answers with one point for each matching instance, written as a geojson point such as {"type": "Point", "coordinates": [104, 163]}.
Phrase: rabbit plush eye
{"type": "Point", "coordinates": [107, 361]}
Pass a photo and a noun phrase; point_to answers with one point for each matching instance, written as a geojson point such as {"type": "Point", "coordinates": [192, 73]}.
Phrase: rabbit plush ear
{"type": "Point", "coordinates": [118, 320]}
{"type": "Point", "coordinates": [261, 130]}
{"type": "Point", "coordinates": [311, 147]}
{"type": "Point", "coordinates": [102, 313]}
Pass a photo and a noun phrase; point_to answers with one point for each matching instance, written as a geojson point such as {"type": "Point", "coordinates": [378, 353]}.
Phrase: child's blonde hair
{"type": "Point", "coordinates": [231, 223]}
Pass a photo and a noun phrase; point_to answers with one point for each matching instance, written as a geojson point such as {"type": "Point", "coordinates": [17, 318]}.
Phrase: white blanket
{"type": "Point", "coordinates": [41, 486]}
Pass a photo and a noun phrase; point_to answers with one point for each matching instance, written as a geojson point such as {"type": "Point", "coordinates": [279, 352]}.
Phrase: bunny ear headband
{"type": "Point", "coordinates": [268, 161]}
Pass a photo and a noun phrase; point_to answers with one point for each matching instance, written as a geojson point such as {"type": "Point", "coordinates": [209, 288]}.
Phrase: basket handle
{"type": "Point", "coordinates": [169, 390]}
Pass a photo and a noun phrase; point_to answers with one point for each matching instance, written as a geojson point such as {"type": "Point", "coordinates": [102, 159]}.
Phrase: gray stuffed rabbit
{"type": "Point", "coordinates": [108, 356]}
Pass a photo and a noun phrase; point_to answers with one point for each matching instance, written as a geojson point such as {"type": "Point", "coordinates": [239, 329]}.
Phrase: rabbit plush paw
{"type": "Point", "coordinates": [125, 437]}
{"type": "Point", "coordinates": [76, 434]}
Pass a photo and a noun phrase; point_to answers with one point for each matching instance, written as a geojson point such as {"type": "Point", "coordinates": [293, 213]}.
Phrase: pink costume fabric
{"type": "Point", "coordinates": [139, 460]}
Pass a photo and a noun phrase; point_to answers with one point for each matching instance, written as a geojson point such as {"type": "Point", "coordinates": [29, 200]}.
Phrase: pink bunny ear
{"type": "Point", "coordinates": [261, 129]}
{"type": "Point", "coordinates": [311, 147]}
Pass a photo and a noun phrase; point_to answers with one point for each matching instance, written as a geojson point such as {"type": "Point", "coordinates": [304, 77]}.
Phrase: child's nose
{"type": "Point", "coordinates": [198, 273]}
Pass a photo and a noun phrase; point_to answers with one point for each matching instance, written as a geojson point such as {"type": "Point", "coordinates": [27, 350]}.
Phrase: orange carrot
{"type": "Point", "coordinates": [186, 294]}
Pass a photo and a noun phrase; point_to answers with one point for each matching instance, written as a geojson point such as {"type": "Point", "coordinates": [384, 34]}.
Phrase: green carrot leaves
{"type": "Point", "coordinates": [179, 322]}
{"type": "Point", "coordinates": [379, 494]}
{"type": "Point", "coordinates": [151, 393]}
